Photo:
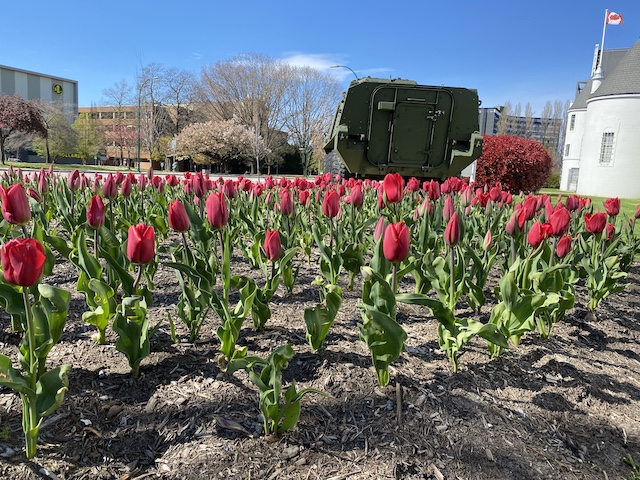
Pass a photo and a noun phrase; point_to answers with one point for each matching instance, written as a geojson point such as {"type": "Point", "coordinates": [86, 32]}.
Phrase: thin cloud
{"type": "Point", "coordinates": [324, 61]}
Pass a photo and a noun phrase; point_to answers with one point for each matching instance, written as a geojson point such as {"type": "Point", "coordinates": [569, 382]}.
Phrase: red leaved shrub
{"type": "Point", "coordinates": [518, 164]}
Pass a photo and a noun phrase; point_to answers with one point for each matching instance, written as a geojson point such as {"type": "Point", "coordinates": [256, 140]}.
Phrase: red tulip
{"type": "Point", "coordinates": [95, 212]}
{"type": "Point", "coordinates": [559, 221]}
{"type": "Point", "coordinates": [286, 203]}
{"type": "Point", "coordinates": [217, 212]}
{"type": "Point", "coordinates": [378, 232]}
{"type": "Point", "coordinates": [595, 223]}
{"type": "Point", "coordinates": [357, 196]}
{"type": "Point", "coordinates": [110, 187]}
{"type": "Point", "coordinates": [43, 184]}
{"type": "Point", "coordinates": [393, 187]}
{"type": "Point", "coordinates": [303, 197]}
{"type": "Point", "coordinates": [413, 185]}
{"type": "Point", "coordinates": [22, 261]}
{"type": "Point", "coordinates": [73, 180]}
{"type": "Point", "coordinates": [564, 246]}
{"type": "Point", "coordinates": [178, 218]}
{"type": "Point", "coordinates": [612, 206]}
{"type": "Point", "coordinates": [141, 243]}
{"type": "Point", "coordinates": [15, 204]}
{"type": "Point", "coordinates": [126, 186]}
{"type": "Point", "coordinates": [537, 233]}
{"type": "Point", "coordinates": [229, 188]}
{"type": "Point", "coordinates": [34, 194]}
{"type": "Point", "coordinates": [331, 204]}
{"type": "Point", "coordinates": [611, 229]}
{"type": "Point", "coordinates": [198, 184]}
{"type": "Point", "coordinates": [637, 214]}
{"type": "Point", "coordinates": [395, 244]}
{"type": "Point", "coordinates": [453, 230]}
{"type": "Point", "coordinates": [512, 227]}
{"type": "Point", "coordinates": [573, 203]}
{"type": "Point", "coordinates": [449, 208]}
{"type": "Point", "coordinates": [272, 245]}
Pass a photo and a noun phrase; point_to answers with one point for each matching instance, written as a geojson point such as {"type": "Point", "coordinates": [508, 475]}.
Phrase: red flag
{"type": "Point", "coordinates": [614, 18]}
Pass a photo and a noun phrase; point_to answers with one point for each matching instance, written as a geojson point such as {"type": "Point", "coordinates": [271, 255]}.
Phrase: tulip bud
{"type": "Point", "coordinates": [178, 218]}
{"type": "Point", "coordinates": [286, 203]}
{"type": "Point", "coordinates": [110, 188]}
{"type": "Point", "coordinates": [488, 239]}
{"type": "Point", "coordinates": [379, 230]}
{"type": "Point", "coordinates": [453, 231]}
{"type": "Point", "coordinates": [141, 243]}
{"type": "Point", "coordinates": [393, 187]}
{"type": "Point", "coordinates": [217, 212]}
{"type": "Point", "coordinates": [272, 245]}
{"type": "Point", "coordinates": [564, 246]}
{"type": "Point", "coordinates": [331, 204]}
{"type": "Point", "coordinates": [95, 212]}
{"type": "Point", "coordinates": [395, 244]}
{"type": "Point", "coordinates": [15, 204]}
{"type": "Point", "coordinates": [559, 221]}
{"type": "Point", "coordinates": [449, 208]}
{"type": "Point", "coordinates": [73, 180]}
{"type": "Point", "coordinates": [22, 261]}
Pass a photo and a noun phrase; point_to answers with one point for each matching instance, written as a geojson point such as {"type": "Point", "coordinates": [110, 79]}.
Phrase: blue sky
{"type": "Point", "coordinates": [508, 50]}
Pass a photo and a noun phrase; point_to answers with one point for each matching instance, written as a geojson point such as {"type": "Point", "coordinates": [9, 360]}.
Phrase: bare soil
{"type": "Point", "coordinates": [563, 408]}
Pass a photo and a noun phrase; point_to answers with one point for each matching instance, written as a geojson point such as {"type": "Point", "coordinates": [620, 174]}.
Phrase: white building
{"type": "Point", "coordinates": [601, 153]}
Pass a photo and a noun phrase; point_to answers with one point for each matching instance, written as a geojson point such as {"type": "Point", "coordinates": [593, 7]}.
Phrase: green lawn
{"type": "Point", "coordinates": [627, 205]}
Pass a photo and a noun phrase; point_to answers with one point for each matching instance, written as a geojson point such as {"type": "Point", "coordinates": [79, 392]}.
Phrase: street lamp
{"type": "Point", "coordinates": [348, 68]}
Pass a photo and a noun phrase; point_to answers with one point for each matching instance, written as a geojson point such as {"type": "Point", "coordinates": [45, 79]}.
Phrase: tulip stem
{"type": "Point", "coordinates": [452, 278]}
{"type": "Point", "coordinates": [96, 239]}
{"type": "Point", "coordinates": [394, 278]}
{"type": "Point", "coordinates": [138, 278]}
{"type": "Point", "coordinates": [29, 413]}
{"type": "Point", "coordinates": [111, 226]}
{"type": "Point", "coordinates": [184, 242]}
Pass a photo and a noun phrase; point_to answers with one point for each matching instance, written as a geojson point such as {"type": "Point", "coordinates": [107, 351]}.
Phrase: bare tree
{"type": "Point", "coordinates": [153, 119]}
{"type": "Point", "coordinates": [180, 86]}
{"type": "Point", "coordinates": [253, 89]}
{"type": "Point", "coordinates": [312, 100]}
{"type": "Point", "coordinates": [529, 121]}
{"type": "Point", "coordinates": [120, 96]}
{"type": "Point", "coordinates": [503, 122]}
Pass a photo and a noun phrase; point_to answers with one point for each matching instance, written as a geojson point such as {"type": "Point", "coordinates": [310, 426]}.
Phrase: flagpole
{"type": "Point", "coordinates": [604, 29]}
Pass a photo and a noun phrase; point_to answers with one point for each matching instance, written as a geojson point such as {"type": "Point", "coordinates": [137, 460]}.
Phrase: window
{"type": "Point", "coordinates": [573, 179]}
{"type": "Point", "coordinates": [567, 148]}
{"type": "Point", "coordinates": [606, 148]}
{"type": "Point", "coordinates": [572, 122]}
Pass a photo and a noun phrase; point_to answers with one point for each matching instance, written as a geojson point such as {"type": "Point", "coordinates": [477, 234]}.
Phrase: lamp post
{"type": "Point", "coordinates": [139, 107]}
{"type": "Point", "coordinates": [348, 68]}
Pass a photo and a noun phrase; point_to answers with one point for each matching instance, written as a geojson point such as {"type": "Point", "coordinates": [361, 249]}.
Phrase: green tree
{"type": "Point", "coordinates": [89, 137]}
{"type": "Point", "coordinates": [61, 138]}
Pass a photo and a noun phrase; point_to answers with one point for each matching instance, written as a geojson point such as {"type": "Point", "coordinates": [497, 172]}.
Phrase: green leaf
{"type": "Point", "coordinates": [50, 389]}
{"type": "Point", "coordinates": [11, 377]}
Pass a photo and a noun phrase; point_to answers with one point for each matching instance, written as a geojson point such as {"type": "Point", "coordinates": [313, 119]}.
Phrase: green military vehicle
{"type": "Point", "coordinates": [384, 126]}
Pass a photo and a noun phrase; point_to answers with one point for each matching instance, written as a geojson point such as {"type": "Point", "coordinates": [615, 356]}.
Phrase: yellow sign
{"type": "Point", "coordinates": [57, 88]}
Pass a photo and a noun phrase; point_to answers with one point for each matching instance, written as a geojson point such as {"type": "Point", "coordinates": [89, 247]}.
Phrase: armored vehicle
{"type": "Point", "coordinates": [383, 126]}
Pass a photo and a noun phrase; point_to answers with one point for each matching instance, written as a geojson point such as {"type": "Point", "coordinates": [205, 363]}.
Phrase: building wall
{"type": "Point", "coordinates": [572, 148]}
{"type": "Point", "coordinates": [37, 86]}
{"type": "Point", "coordinates": [619, 114]}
